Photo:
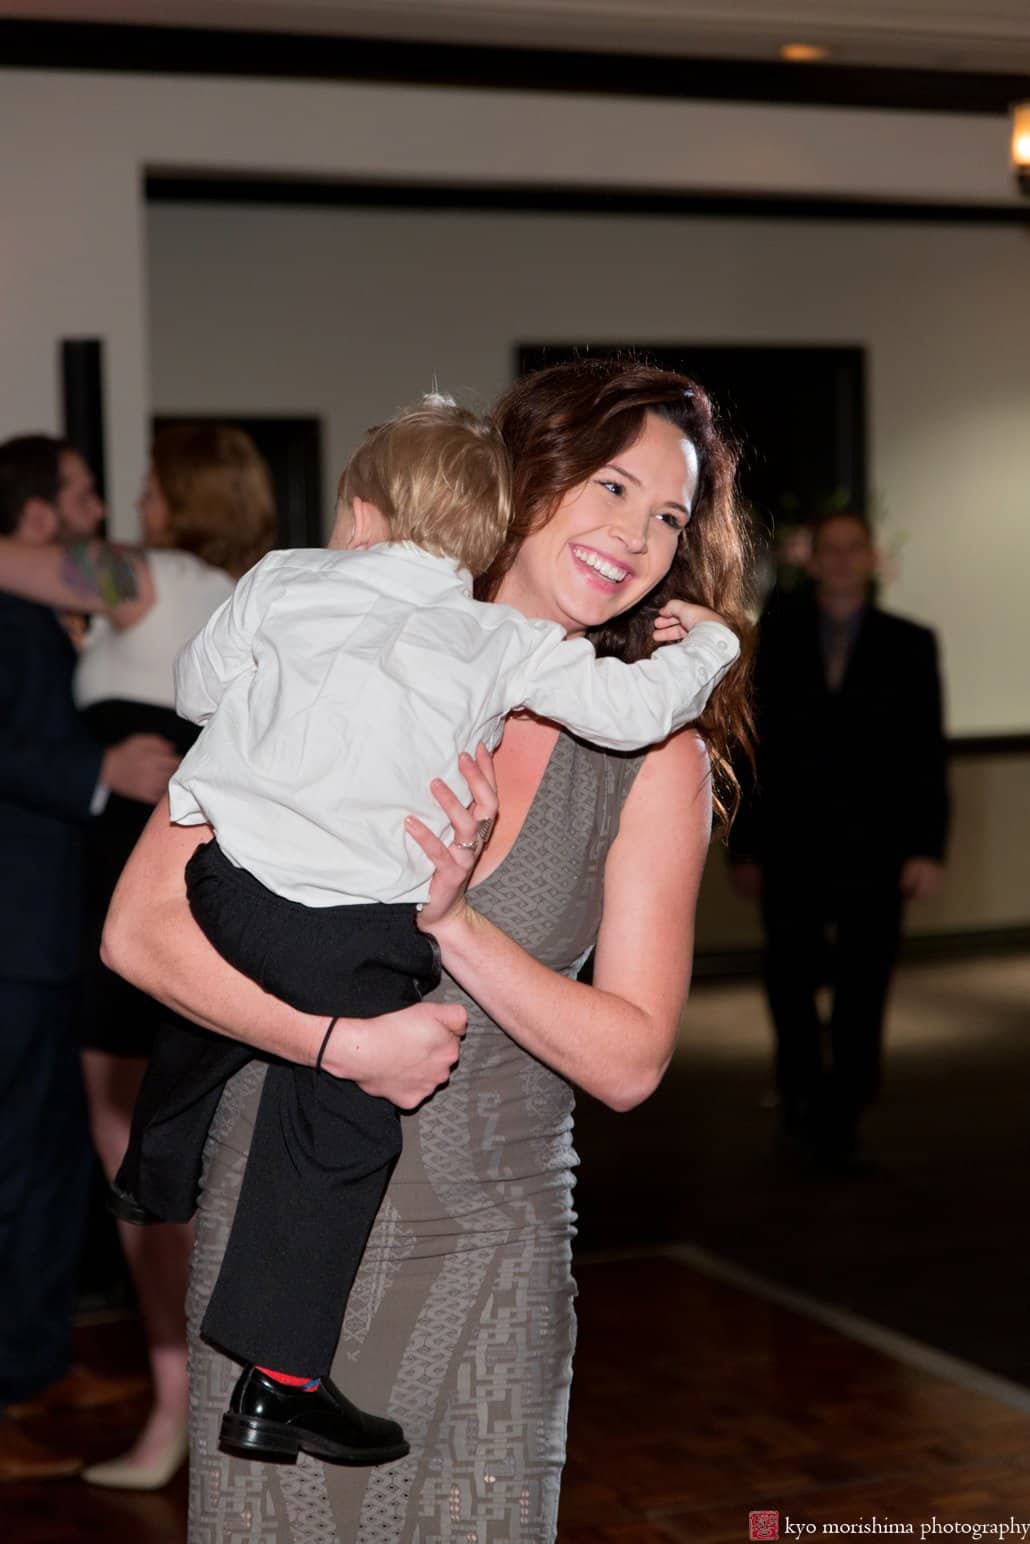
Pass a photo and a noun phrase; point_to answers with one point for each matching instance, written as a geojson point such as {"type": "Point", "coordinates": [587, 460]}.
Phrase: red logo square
{"type": "Point", "coordinates": [763, 1525]}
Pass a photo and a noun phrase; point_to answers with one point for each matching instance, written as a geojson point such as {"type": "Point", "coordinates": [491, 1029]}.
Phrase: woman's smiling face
{"type": "Point", "coordinates": [612, 538]}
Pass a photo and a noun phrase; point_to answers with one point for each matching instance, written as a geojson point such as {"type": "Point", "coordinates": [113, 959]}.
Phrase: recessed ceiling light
{"type": "Point", "coordinates": [1021, 145]}
{"type": "Point", "coordinates": [803, 53]}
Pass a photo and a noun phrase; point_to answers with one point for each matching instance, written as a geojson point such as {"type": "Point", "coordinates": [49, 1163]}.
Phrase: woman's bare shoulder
{"type": "Point", "coordinates": [666, 823]}
{"type": "Point", "coordinates": [679, 771]}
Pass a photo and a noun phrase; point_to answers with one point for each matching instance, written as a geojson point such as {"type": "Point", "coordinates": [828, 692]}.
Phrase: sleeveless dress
{"type": "Point", "coordinates": [461, 1322]}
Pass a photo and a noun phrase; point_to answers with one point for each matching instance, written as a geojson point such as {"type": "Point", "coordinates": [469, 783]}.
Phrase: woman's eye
{"type": "Point", "coordinates": [673, 521]}
{"type": "Point", "coordinates": [617, 488]}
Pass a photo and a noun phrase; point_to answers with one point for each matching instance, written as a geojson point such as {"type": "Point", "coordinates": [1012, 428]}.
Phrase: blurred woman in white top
{"type": "Point", "coordinates": [208, 513]}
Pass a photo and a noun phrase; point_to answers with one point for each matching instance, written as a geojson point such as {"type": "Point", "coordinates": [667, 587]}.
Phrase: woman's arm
{"type": "Point", "coordinates": [614, 1039]}
{"type": "Point", "coordinates": [151, 938]}
{"type": "Point", "coordinates": [95, 576]}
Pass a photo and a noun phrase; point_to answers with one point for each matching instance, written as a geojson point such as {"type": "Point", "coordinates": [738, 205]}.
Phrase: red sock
{"type": "Point", "coordinates": [289, 1379]}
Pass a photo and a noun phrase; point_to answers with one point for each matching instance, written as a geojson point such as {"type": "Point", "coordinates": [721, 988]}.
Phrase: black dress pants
{"type": "Point", "coordinates": [46, 1166]}
{"type": "Point", "coordinates": [322, 1149]}
{"type": "Point", "coordinates": [842, 929]}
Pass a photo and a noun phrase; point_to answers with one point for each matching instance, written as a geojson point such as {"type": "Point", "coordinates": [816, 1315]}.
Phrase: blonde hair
{"type": "Point", "coordinates": [441, 476]}
{"type": "Point", "coordinates": [218, 489]}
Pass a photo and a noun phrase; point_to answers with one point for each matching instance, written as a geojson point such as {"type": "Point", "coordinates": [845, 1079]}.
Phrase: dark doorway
{"type": "Point", "coordinates": [798, 413]}
{"type": "Point", "coordinates": [293, 449]}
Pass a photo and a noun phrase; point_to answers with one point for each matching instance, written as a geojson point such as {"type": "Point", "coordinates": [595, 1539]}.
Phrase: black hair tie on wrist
{"type": "Point", "coordinates": [322, 1050]}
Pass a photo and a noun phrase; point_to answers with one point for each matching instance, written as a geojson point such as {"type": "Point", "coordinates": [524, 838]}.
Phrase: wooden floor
{"type": "Point", "coordinates": [694, 1403]}
{"type": "Point", "coordinates": [934, 1242]}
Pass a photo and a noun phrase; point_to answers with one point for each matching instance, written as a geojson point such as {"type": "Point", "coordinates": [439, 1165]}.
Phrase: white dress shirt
{"type": "Point", "coordinates": [334, 686]}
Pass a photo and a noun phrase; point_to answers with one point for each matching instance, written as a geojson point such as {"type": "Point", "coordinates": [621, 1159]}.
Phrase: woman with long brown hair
{"type": "Point", "coordinates": [461, 1322]}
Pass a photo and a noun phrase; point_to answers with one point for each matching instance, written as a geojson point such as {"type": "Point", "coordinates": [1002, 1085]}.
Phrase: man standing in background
{"type": "Point", "coordinates": [53, 776]}
{"type": "Point", "coordinates": [847, 821]}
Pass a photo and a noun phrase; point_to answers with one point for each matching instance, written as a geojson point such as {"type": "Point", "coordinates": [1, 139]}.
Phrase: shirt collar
{"type": "Point", "coordinates": [411, 552]}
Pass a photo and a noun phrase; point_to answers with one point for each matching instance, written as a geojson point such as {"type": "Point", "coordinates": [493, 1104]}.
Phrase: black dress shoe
{"type": "Point", "coordinates": [273, 1422]}
{"type": "Point", "coordinates": [127, 1209]}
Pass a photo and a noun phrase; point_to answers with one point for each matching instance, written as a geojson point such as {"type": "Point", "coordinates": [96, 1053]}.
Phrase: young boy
{"type": "Point", "coordinates": [334, 685]}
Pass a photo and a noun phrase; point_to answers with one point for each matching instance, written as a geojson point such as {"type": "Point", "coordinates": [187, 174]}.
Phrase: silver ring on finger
{"type": "Point", "coordinates": [484, 829]}
{"type": "Point", "coordinates": [469, 846]}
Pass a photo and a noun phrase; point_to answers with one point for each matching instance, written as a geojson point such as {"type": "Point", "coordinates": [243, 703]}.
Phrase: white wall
{"type": "Point", "coordinates": [346, 313]}
{"type": "Point", "coordinates": [73, 147]}
{"type": "Point", "coordinates": [71, 265]}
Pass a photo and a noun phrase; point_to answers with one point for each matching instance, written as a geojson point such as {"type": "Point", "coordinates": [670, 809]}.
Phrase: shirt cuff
{"type": "Point", "coordinates": [719, 637]}
{"type": "Point", "coordinates": [98, 803]}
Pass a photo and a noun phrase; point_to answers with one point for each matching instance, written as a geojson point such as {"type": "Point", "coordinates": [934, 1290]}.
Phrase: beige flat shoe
{"type": "Point", "coordinates": [116, 1474]}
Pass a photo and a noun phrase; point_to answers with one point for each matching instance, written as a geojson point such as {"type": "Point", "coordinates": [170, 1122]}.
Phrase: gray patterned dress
{"type": "Point", "coordinates": [461, 1322]}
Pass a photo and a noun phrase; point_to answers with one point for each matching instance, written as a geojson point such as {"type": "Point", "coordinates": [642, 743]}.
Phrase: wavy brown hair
{"type": "Point", "coordinates": [218, 489]}
{"type": "Point", "coordinates": [564, 422]}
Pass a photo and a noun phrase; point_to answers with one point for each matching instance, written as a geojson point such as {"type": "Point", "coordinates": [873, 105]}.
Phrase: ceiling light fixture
{"type": "Point", "coordinates": [803, 53]}
{"type": "Point", "coordinates": [1021, 145]}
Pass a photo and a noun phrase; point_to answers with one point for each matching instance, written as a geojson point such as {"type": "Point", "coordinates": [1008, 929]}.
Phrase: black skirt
{"type": "Point", "coordinates": [112, 1015]}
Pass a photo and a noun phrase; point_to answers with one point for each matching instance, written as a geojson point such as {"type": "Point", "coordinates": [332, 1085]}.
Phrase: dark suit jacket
{"type": "Point", "coordinates": [855, 777]}
{"type": "Point", "coordinates": [49, 768]}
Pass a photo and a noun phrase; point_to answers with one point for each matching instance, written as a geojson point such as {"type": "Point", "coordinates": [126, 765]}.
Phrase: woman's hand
{"type": "Point", "coordinates": [402, 1056]}
{"type": "Point", "coordinates": [471, 825]}
{"type": "Point", "coordinates": [613, 1039]}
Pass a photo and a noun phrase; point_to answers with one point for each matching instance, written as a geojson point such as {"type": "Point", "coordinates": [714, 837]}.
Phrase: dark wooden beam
{"type": "Point", "coordinates": [63, 45]}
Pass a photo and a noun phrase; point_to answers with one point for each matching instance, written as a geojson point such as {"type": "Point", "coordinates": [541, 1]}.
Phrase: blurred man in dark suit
{"type": "Point", "coordinates": [846, 821]}
{"type": "Point", "coordinates": [52, 778]}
